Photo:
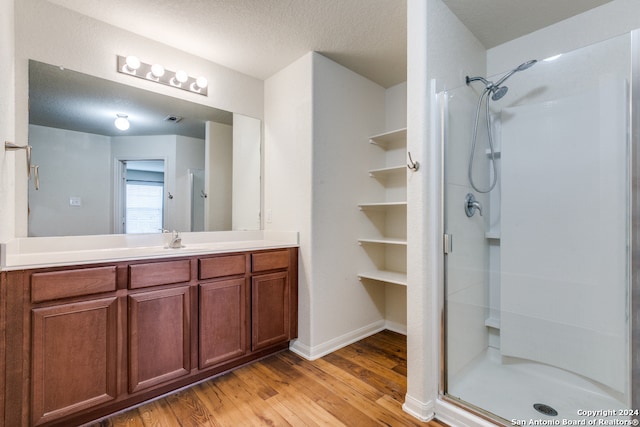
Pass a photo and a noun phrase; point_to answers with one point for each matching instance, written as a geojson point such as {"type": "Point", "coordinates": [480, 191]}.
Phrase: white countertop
{"type": "Point", "coordinates": [39, 252]}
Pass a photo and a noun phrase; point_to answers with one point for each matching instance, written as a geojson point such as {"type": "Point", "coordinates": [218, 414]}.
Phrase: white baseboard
{"type": "Point", "coordinates": [315, 352]}
{"type": "Point", "coordinates": [424, 411]}
{"type": "Point", "coordinates": [396, 327]}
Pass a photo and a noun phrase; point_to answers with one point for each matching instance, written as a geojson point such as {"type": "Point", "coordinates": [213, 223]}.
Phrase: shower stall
{"type": "Point", "coordinates": [538, 222]}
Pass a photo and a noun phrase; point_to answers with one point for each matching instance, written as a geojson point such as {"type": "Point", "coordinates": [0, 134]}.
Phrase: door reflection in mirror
{"type": "Point", "coordinates": [143, 193]}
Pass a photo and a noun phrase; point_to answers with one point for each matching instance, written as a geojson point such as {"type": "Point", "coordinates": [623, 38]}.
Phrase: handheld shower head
{"type": "Point", "coordinates": [520, 67]}
{"type": "Point", "coordinates": [526, 65]}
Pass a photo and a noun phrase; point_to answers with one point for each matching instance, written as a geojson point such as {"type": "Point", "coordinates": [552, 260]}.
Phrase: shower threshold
{"type": "Point", "coordinates": [510, 390]}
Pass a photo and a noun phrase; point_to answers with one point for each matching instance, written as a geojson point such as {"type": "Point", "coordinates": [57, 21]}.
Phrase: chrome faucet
{"type": "Point", "coordinates": [471, 204]}
{"type": "Point", "coordinates": [176, 240]}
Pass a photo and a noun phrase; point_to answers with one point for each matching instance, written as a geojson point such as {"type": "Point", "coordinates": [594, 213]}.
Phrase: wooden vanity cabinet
{"type": "Point", "coordinates": [73, 357]}
{"type": "Point", "coordinates": [222, 316]}
{"type": "Point", "coordinates": [158, 337]}
{"type": "Point", "coordinates": [270, 299]}
{"type": "Point", "coordinates": [74, 321]}
{"type": "Point", "coordinates": [159, 322]}
{"type": "Point", "coordinates": [83, 342]}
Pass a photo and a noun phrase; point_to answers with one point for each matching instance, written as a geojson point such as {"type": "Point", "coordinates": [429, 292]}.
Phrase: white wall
{"type": "Point", "coordinates": [609, 20]}
{"type": "Point", "coordinates": [70, 164]}
{"type": "Point", "coordinates": [318, 116]}
{"type": "Point", "coordinates": [439, 47]}
{"type": "Point", "coordinates": [7, 122]}
{"type": "Point", "coordinates": [51, 34]}
{"type": "Point", "coordinates": [83, 165]}
{"type": "Point", "coordinates": [189, 155]}
{"type": "Point", "coordinates": [218, 176]}
{"type": "Point", "coordinates": [347, 109]}
{"type": "Point", "coordinates": [287, 174]}
{"type": "Point", "coordinates": [247, 168]}
{"type": "Point", "coordinates": [395, 107]}
{"type": "Point", "coordinates": [395, 300]}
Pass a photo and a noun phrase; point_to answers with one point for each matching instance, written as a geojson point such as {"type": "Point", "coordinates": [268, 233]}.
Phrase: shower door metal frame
{"type": "Point", "coordinates": [440, 100]}
{"type": "Point", "coordinates": [634, 201]}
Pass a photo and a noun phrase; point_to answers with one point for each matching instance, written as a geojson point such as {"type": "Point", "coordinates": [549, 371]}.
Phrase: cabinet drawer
{"type": "Point", "coordinates": [159, 273]}
{"type": "Point", "coordinates": [72, 283]}
{"type": "Point", "coordinates": [274, 260]}
{"type": "Point", "coordinates": [221, 266]}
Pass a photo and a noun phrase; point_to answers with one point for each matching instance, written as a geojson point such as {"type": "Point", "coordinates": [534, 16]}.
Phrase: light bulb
{"type": "Point", "coordinates": [202, 82]}
{"type": "Point", "coordinates": [157, 70]}
{"type": "Point", "coordinates": [122, 122]}
{"type": "Point", "coordinates": [132, 63]}
{"type": "Point", "coordinates": [199, 84]}
{"type": "Point", "coordinates": [181, 76]}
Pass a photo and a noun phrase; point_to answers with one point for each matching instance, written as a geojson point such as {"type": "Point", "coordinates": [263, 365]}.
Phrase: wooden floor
{"type": "Point", "coordinates": [360, 385]}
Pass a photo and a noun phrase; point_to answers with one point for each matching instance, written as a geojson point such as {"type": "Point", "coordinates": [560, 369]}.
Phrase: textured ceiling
{"type": "Point", "coordinates": [495, 22]}
{"type": "Point", "coordinates": [260, 37]}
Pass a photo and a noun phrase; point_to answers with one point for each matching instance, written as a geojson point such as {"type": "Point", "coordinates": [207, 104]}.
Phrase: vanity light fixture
{"type": "Point", "coordinates": [132, 66]}
{"type": "Point", "coordinates": [122, 121]}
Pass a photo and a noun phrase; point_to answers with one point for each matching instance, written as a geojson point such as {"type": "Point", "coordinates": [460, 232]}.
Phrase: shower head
{"type": "Point", "coordinates": [521, 67]}
{"type": "Point", "coordinates": [498, 92]}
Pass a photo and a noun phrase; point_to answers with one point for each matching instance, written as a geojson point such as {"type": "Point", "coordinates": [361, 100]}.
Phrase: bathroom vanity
{"type": "Point", "coordinates": [86, 339]}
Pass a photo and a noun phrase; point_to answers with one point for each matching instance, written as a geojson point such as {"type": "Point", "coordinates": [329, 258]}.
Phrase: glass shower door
{"type": "Point", "coordinates": [537, 278]}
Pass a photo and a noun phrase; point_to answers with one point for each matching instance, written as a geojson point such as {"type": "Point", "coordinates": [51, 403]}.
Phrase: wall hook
{"type": "Point", "coordinates": [414, 166]}
{"type": "Point", "coordinates": [169, 195]}
{"type": "Point", "coordinates": [203, 194]}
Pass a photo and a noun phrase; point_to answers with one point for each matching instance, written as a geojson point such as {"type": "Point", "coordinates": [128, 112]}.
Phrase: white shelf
{"type": "Point", "coordinates": [492, 234]}
{"type": "Point", "coordinates": [389, 214]}
{"type": "Point", "coordinates": [492, 322]}
{"type": "Point", "coordinates": [385, 276]}
{"type": "Point", "coordinates": [381, 206]}
{"type": "Point", "coordinates": [383, 172]}
{"type": "Point", "coordinates": [385, 241]}
{"type": "Point", "coordinates": [383, 140]}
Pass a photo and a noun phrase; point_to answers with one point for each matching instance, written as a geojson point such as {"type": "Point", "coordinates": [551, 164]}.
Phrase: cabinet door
{"type": "Point", "coordinates": [158, 337]}
{"type": "Point", "coordinates": [74, 357]}
{"type": "Point", "coordinates": [269, 309]}
{"type": "Point", "coordinates": [223, 329]}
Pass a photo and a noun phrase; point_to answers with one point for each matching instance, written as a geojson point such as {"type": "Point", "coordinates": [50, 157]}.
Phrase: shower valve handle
{"type": "Point", "coordinates": [471, 204]}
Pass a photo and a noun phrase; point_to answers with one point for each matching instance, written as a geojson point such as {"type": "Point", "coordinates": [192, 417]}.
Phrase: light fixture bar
{"type": "Point", "coordinates": [156, 73]}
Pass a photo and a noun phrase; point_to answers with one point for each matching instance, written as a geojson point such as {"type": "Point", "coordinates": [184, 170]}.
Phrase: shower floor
{"type": "Point", "coordinates": [509, 390]}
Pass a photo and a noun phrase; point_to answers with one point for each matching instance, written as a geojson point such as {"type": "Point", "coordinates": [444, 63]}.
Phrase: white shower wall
{"type": "Point", "coordinates": [564, 228]}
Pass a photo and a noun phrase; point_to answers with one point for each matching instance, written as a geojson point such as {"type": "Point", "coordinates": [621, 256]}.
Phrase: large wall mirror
{"type": "Point", "coordinates": [179, 166]}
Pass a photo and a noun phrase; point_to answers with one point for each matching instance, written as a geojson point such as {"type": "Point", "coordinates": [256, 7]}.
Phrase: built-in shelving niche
{"type": "Point", "coordinates": [384, 233]}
